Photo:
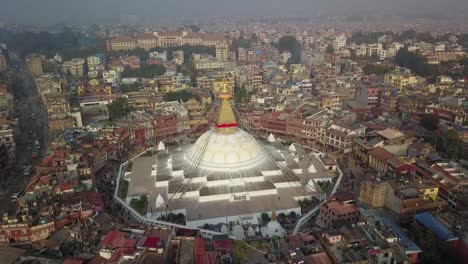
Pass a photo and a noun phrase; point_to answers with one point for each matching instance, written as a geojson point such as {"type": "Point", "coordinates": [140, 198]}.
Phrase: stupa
{"type": "Point", "coordinates": [226, 176]}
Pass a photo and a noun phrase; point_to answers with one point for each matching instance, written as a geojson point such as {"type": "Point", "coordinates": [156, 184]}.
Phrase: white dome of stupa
{"type": "Point", "coordinates": [237, 150]}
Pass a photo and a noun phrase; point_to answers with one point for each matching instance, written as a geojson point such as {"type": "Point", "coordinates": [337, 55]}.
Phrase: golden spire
{"type": "Point", "coordinates": [226, 122]}
{"type": "Point", "coordinates": [225, 93]}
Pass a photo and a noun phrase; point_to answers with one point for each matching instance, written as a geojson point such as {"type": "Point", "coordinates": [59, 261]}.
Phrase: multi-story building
{"type": "Point", "coordinates": [121, 43]}
{"type": "Point", "coordinates": [446, 175]}
{"type": "Point", "coordinates": [222, 52]}
{"type": "Point", "coordinates": [341, 136]}
{"type": "Point", "coordinates": [3, 61]}
{"type": "Point", "coordinates": [331, 102]}
{"type": "Point", "coordinates": [208, 64]}
{"type": "Point", "coordinates": [448, 114]}
{"type": "Point", "coordinates": [15, 232]}
{"type": "Point", "coordinates": [339, 207]}
{"type": "Point", "coordinates": [339, 42]}
{"type": "Point", "coordinates": [132, 62]}
{"type": "Point", "coordinates": [75, 67]}
{"type": "Point", "coordinates": [147, 41]}
{"type": "Point", "coordinates": [440, 56]}
{"type": "Point", "coordinates": [314, 125]}
{"type": "Point", "coordinates": [372, 192]}
{"type": "Point", "coordinates": [401, 81]}
{"type": "Point", "coordinates": [7, 139]}
{"type": "Point", "coordinates": [35, 64]}
{"type": "Point", "coordinates": [161, 56]}
{"type": "Point", "coordinates": [196, 113]}
{"type": "Point", "coordinates": [407, 199]}
{"type": "Point", "coordinates": [165, 39]}
{"type": "Point", "coordinates": [111, 76]}
{"type": "Point", "coordinates": [367, 96]}
{"type": "Point", "coordinates": [373, 49]}
{"type": "Point", "coordinates": [178, 57]}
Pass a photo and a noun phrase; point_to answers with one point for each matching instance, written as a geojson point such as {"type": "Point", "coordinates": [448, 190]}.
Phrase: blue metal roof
{"type": "Point", "coordinates": [431, 223]}
{"type": "Point", "coordinates": [409, 245]}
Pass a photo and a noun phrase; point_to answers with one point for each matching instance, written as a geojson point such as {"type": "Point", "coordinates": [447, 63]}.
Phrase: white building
{"type": "Point", "coordinates": [339, 42]}
{"type": "Point", "coordinates": [285, 56]}
{"type": "Point", "coordinates": [111, 76]}
{"type": "Point", "coordinates": [75, 67]}
{"type": "Point", "coordinates": [162, 56]}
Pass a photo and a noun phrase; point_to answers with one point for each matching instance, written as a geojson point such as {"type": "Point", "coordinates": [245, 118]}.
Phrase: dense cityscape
{"type": "Point", "coordinates": [222, 140]}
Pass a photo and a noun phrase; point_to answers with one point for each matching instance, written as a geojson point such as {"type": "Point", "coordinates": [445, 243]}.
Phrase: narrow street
{"type": "Point", "coordinates": [32, 125]}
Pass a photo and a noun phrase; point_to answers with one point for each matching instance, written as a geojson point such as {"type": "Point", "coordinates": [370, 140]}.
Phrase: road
{"type": "Point", "coordinates": [27, 102]}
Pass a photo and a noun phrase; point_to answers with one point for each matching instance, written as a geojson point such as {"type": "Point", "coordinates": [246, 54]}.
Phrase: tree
{"type": "Point", "coordinates": [292, 215]}
{"type": "Point", "coordinates": [118, 109]}
{"type": "Point", "coordinates": [429, 121]}
{"type": "Point", "coordinates": [416, 62]}
{"type": "Point", "coordinates": [147, 71]}
{"type": "Point", "coordinates": [329, 49]}
{"type": "Point", "coordinates": [140, 205]}
{"type": "Point", "coordinates": [375, 69]}
{"type": "Point", "coordinates": [290, 43]}
{"type": "Point", "coordinates": [265, 217]}
{"type": "Point", "coordinates": [183, 96]}
{"type": "Point", "coordinates": [407, 35]}
{"type": "Point", "coordinates": [452, 144]}
{"type": "Point", "coordinates": [241, 94]}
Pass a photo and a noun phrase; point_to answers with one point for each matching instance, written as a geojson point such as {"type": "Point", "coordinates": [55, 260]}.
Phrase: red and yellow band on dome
{"type": "Point", "coordinates": [226, 125]}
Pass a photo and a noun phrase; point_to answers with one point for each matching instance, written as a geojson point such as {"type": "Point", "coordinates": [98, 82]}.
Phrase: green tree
{"type": "Point", "coordinates": [118, 109]}
{"type": "Point", "coordinates": [429, 121]}
{"type": "Point", "coordinates": [183, 96]}
{"type": "Point", "coordinates": [241, 94]}
{"type": "Point", "coordinates": [453, 144]}
{"type": "Point", "coordinates": [140, 205]}
{"type": "Point", "coordinates": [416, 62]}
{"type": "Point", "coordinates": [290, 43]}
{"type": "Point", "coordinates": [240, 250]}
{"type": "Point", "coordinates": [375, 69]}
{"type": "Point", "coordinates": [126, 88]}
{"type": "Point", "coordinates": [292, 215]}
{"type": "Point", "coordinates": [265, 217]}
{"type": "Point", "coordinates": [147, 71]}
{"type": "Point", "coordinates": [329, 49]}
{"type": "Point", "coordinates": [407, 35]}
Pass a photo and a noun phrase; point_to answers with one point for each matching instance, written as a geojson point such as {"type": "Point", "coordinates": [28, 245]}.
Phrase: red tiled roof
{"type": "Point", "coordinates": [147, 35]}
{"type": "Point", "coordinates": [319, 258]}
{"type": "Point", "coordinates": [151, 242]}
{"type": "Point", "coordinates": [107, 239]}
{"type": "Point", "coordinates": [381, 154]}
{"type": "Point", "coordinates": [343, 196]}
{"type": "Point", "coordinates": [395, 162]}
{"type": "Point", "coordinates": [223, 244]}
{"type": "Point", "coordinates": [339, 209]}
{"type": "Point", "coordinates": [73, 261]}
{"type": "Point", "coordinates": [214, 37]}
{"type": "Point", "coordinates": [171, 34]}
{"type": "Point", "coordinates": [123, 39]}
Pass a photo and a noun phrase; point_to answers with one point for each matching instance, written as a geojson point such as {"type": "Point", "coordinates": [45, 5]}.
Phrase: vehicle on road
{"type": "Point", "coordinates": [34, 154]}
{"type": "Point", "coordinates": [37, 145]}
{"type": "Point", "coordinates": [14, 197]}
{"type": "Point", "coordinates": [33, 116]}
{"type": "Point", "coordinates": [27, 170]}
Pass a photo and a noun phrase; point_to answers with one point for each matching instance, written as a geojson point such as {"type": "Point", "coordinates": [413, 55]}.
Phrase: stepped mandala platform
{"type": "Point", "coordinates": [225, 176]}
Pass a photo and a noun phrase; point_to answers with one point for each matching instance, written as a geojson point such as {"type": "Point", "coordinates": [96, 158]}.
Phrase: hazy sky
{"type": "Point", "coordinates": [53, 11]}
